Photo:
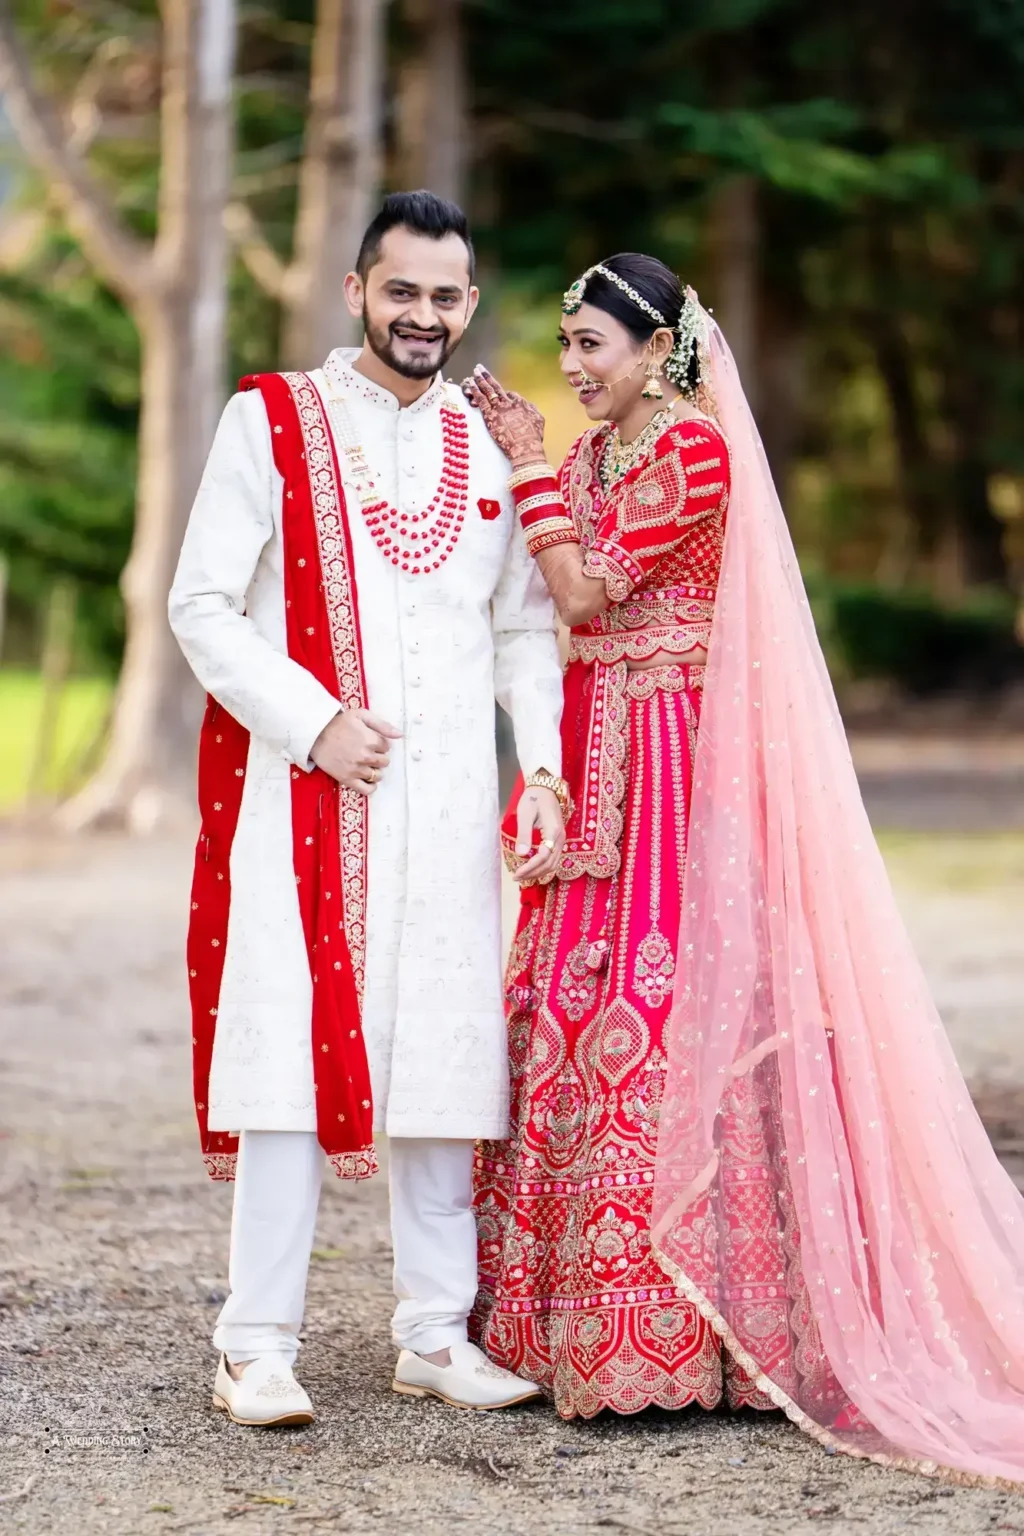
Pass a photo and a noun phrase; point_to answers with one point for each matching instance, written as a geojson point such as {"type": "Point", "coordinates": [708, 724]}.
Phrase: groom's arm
{"type": "Point", "coordinates": [527, 670]}
{"type": "Point", "coordinates": [230, 525]}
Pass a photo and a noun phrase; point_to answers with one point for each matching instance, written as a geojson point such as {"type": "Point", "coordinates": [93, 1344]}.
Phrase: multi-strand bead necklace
{"type": "Point", "coordinates": [413, 541]}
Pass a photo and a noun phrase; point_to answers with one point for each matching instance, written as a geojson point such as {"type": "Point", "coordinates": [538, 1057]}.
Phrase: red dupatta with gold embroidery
{"type": "Point", "coordinates": [329, 824]}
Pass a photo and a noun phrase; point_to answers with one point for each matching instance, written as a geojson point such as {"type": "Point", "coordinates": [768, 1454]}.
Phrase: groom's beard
{"type": "Point", "coordinates": [406, 353]}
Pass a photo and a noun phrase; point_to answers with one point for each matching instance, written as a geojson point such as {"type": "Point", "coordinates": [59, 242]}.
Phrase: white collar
{"type": "Point", "coordinates": [342, 376]}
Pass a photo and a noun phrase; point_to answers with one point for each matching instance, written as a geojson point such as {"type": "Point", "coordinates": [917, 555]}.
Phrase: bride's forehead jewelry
{"type": "Point", "coordinates": [573, 297]}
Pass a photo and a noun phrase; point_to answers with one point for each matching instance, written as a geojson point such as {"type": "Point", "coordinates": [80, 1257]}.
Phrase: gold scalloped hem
{"type": "Point", "coordinates": [673, 677]}
{"type": "Point", "coordinates": [355, 1165]}
{"type": "Point", "coordinates": [639, 644]}
{"type": "Point", "coordinates": [668, 1391]}
{"type": "Point", "coordinates": [795, 1413]}
{"type": "Point", "coordinates": [220, 1165]}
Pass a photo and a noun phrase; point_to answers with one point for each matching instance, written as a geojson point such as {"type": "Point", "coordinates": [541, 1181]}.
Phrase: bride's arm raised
{"type": "Point", "coordinates": [518, 429]}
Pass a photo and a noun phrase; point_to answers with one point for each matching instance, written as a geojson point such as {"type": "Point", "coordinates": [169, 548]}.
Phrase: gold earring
{"type": "Point", "coordinates": [652, 390]}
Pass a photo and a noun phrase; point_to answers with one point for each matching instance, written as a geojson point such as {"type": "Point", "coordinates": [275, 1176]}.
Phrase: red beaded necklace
{"type": "Point", "coordinates": [422, 540]}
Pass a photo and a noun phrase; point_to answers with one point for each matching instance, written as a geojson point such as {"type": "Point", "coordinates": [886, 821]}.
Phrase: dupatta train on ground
{"type": "Point", "coordinates": [908, 1268]}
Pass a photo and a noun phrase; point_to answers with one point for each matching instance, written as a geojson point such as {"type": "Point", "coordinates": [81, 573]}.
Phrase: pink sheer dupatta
{"type": "Point", "coordinates": [793, 959]}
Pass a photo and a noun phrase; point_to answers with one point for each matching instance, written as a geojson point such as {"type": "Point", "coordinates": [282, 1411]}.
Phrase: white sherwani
{"type": "Point", "coordinates": [437, 649]}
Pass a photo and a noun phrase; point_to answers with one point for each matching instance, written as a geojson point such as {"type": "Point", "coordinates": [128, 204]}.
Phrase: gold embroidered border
{"type": "Point", "coordinates": [652, 609]}
{"type": "Point", "coordinates": [795, 1413]}
{"type": "Point", "coordinates": [604, 566]}
{"type": "Point", "coordinates": [339, 596]}
{"type": "Point", "coordinates": [220, 1165]}
{"type": "Point", "coordinates": [355, 1165]}
{"type": "Point", "coordinates": [599, 854]}
{"type": "Point", "coordinates": [638, 644]}
{"type": "Point", "coordinates": [668, 679]}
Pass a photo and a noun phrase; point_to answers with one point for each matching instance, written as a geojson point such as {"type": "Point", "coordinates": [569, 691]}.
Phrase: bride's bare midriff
{"type": "Point", "coordinates": [695, 658]}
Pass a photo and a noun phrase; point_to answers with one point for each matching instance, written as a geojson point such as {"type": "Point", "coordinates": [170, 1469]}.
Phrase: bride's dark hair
{"type": "Point", "coordinates": [654, 282]}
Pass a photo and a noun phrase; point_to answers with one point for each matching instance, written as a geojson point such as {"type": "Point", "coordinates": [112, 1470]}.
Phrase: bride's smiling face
{"type": "Point", "coordinates": [604, 363]}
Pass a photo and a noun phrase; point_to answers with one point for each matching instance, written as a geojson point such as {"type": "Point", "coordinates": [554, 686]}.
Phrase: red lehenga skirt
{"type": "Point", "coordinates": [571, 1294]}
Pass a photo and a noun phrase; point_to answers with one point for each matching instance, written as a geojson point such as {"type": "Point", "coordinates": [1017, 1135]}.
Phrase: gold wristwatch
{"type": "Point", "coordinates": [542, 779]}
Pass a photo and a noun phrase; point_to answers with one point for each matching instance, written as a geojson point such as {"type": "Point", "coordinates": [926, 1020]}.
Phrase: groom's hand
{"type": "Point", "coordinates": [539, 808]}
{"type": "Point", "coordinates": [353, 748]}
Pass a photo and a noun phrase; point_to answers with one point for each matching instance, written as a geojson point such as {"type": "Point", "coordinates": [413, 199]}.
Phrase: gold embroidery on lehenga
{"type": "Point", "coordinates": [611, 1244]}
{"type": "Point", "coordinates": [594, 849]}
{"type": "Point", "coordinates": [624, 1040]}
{"type": "Point", "coordinates": [654, 969]}
{"type": "Point", "coordinates": [577, 990]}
{"type": "Point", "coordinates": [654, 966]}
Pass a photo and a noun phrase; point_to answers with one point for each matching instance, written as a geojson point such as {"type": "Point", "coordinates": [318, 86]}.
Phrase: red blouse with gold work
{"type": "Point", "coordinates": [655, 537]}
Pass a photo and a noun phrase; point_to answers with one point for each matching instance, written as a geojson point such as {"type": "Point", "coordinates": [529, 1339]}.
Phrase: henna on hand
{"type": "Point", "coordinates": [516, 425]}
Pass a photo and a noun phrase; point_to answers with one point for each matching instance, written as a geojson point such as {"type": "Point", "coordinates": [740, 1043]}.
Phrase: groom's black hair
{"type": "Point", "coordinates": [425, 214]}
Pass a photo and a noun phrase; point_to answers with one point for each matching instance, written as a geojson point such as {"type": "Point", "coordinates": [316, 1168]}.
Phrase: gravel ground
{"type": "Point", "coordinates": [114, 1258]}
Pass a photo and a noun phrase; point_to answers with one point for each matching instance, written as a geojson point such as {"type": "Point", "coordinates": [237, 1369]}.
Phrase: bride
{"type": "Point", "coordinates": [743, 1161]}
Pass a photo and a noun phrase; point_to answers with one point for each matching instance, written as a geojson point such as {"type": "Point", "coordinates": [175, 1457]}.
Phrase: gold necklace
{"type": "Point", "coordinates": [619, 457]}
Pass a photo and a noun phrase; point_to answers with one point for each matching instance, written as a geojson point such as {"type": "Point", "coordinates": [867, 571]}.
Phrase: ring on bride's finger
{"type": "Point", "coordinates": [549, 843]}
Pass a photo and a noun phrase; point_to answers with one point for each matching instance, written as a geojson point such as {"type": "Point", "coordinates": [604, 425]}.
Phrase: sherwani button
{"type": "Point", "coordinates": [416, 754]}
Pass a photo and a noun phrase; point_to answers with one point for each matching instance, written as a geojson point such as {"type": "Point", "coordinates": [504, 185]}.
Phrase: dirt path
{"type": "Point", "coordinates": [113, 1263]}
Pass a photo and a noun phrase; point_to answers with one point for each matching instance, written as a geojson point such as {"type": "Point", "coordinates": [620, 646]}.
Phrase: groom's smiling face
{"type": "Point", "coordinates": [416, 301]}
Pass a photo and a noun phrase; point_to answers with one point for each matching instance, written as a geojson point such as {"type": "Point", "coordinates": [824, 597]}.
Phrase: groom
{"type": "Point", "coordinates": [353, 593]}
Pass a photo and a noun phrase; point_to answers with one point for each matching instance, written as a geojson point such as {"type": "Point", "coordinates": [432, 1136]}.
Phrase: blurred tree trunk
{"type": "Point", "coordinates": [780, 349]}
{"type": "Point", "coordinates": [922, 511]}
{"type": "Point", "coordinates": [920, 534]}
{"type": "Point", "coordinates": [431, 107]}
{"type": "Point", "coordinates": [981, 535]}
{"type": "Point", "coordinates": [338, 184]}
{"type": "Point", "coordinates": [176, 290]}
{"type": "Point", "coordinates": [976, 534]}
{"type": "Point", "coordinates": [734, 237]}
{"type": "Point", "coordinates": [433, 141]}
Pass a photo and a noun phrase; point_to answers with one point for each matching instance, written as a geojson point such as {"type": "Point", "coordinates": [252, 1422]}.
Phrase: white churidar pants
{"type": "Point", "coordinates": [433, 1236]}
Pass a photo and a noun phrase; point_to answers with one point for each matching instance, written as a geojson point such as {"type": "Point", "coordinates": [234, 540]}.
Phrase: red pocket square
{"type": "Point", "coordinates": [489, 509]}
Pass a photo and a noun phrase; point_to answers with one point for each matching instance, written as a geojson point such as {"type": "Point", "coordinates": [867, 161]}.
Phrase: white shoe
{"type": "Point", "coordinates": [471, 1381]}
{"type": "Point", "coordinates": [266, 1393]}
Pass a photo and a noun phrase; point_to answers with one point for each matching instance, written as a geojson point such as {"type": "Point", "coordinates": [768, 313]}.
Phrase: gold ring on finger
{"type": "Point", "coordinates": [548, 843]}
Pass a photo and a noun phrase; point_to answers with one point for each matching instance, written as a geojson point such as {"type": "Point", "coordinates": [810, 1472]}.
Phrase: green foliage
{"type": "Point", "coordinates": [68, 422]}
{"type": "Point", "coordinates": [926, 646]}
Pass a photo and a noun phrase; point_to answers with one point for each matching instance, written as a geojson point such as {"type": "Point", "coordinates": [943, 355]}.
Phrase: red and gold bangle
{"type": "Point", "coordinates": [541, 507]}
{"type": "Point", "coordinates": [546, 535]}
{"type": "Point", "coordinates": [540, 499]}
{"type": "Point", "coordinates": [528, 472]}
{"type": "Point", "coordinates": [545, 521]}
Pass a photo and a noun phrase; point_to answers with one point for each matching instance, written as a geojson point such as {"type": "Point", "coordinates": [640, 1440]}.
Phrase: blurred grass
{"type": "Point", "coordinates": [957, 862]}
{"type": "Point", "coordinates": [83, 710]}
